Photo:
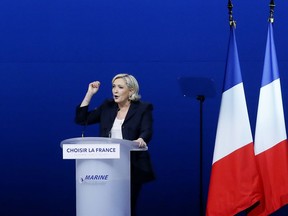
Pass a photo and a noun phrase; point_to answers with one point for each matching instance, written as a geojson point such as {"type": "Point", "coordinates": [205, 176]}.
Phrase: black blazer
{"type": "Point", "coordinates": [137, 124]}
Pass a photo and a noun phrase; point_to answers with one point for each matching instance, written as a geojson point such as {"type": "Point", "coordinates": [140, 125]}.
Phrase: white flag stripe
{"type": "Point", "coordinates": [270, 118]}
{"type": "Point", "coordinates": [233, 130]}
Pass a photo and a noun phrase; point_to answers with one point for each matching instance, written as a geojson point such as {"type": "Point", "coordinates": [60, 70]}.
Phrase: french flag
{"type": "Point", "coordinates": [270, 136]}
{"type": "Point", "coordinates": [234, 181]}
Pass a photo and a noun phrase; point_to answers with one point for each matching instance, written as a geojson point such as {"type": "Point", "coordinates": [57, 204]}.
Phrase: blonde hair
{"type": "Point", "coordinates": [131, 83]}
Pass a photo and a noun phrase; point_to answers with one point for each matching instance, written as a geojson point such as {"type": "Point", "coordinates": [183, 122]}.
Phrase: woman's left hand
{"type": "Point", "coordinates": [142, 143]}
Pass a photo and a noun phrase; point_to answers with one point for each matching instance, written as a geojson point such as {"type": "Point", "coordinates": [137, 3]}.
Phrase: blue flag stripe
{"type": "Point", "coordinates": [233, 71]}
{"type": "Point", "coordinates": [270, 70]}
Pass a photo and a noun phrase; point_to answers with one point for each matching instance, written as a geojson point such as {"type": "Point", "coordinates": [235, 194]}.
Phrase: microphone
{"type": "Point", "coordinates": [84, 129]}
{"type": "Point", "coordinates": [85, 126]}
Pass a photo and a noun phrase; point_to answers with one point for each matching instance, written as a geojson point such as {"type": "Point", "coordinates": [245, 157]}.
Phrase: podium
{"type": "Point", "coordinates": [102, 174]}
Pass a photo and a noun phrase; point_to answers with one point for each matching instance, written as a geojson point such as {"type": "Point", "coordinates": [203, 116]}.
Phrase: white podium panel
{"type": "Point", "coordinates": [102, 174]}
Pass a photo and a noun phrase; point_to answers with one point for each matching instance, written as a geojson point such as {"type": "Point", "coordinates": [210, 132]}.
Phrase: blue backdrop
{"type": "Point", "coordinates": [51, 49]}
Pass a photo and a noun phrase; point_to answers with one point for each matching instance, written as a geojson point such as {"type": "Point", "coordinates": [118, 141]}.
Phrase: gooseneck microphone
{"type": "Point", "coordinates": [84, 129]}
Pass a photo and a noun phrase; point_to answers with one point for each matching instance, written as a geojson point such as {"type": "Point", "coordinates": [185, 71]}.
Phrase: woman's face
{"type": "Point", "coordinates": [120, 91]}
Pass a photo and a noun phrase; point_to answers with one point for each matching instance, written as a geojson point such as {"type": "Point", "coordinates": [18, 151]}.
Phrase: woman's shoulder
{"type": "Point", "coordinates": [143, 104]}
{"type": "Point", "coordinates": [108, 103]}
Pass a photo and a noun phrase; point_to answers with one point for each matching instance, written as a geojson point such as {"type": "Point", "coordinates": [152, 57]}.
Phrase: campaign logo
{"type": "Point", "coordinates": [94, 179]}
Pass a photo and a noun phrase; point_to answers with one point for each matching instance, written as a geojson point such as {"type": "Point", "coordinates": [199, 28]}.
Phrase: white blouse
{"type": "Point", "coordinates": [116, 130]}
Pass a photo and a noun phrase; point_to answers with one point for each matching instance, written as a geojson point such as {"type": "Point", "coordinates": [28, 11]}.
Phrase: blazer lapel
{"type": "Point", "coordinates": [113, 114]}
{"type": "Point", "coordinates": [132, 110]}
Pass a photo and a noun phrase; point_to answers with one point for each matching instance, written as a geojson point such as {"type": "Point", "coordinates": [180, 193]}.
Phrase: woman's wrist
{"type": "Point", "coordinates": [87, 99]}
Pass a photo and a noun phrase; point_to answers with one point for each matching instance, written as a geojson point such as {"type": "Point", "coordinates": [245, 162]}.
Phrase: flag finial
{"type": "Point", "coordinates": [232, 22]}
{"type": "Point", "coordinates": [272, 6]}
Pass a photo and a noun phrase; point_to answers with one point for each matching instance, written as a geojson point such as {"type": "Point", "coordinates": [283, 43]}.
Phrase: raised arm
{"type": "Point", "coordinates": [92, 89]}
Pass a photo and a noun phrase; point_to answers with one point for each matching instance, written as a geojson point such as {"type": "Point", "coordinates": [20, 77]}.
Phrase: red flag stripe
{"type": "Point", "coordinates": [234, 179]}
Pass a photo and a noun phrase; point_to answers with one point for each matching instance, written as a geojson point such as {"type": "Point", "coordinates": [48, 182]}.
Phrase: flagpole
{"type": "Point", "coordinates": [232, 22]}
{"type": "Point", "coordinates": [272, 6]}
